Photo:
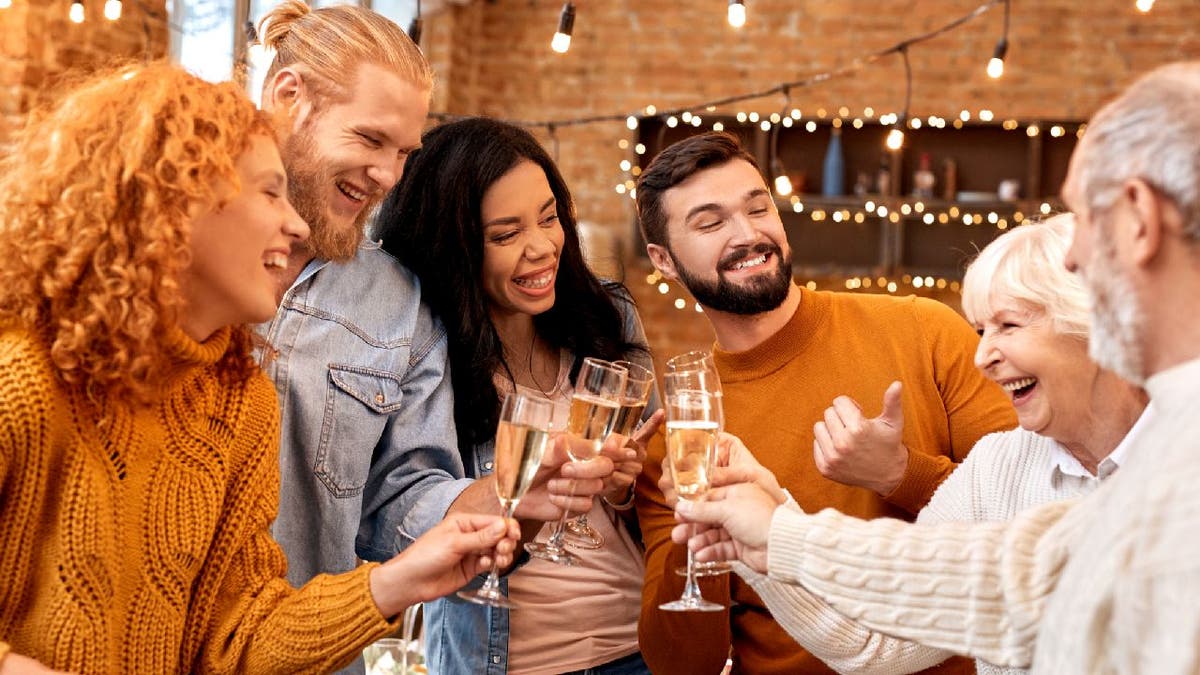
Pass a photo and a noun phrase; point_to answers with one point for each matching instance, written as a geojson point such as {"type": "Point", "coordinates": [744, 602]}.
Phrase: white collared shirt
{"type": "Point", "coordinates": [1066, 463]}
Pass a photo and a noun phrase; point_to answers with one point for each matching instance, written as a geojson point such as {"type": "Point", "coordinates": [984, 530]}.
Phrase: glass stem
{"type": "Point", "coordinates": [560, 528]}
{"type": "Point", "coordinates": [691, 590]}
{"type": "Point", "coordinates": [491, 586]}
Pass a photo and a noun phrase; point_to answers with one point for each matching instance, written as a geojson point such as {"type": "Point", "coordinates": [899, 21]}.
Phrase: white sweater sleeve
{"type": "Point", "coordinates": [976, 589]}
{"type": "Point", "coordinates": [843, 645]}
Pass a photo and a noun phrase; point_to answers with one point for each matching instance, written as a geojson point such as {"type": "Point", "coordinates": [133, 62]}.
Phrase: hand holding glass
{"type": "Point", "coordinates": [594, 406]}
{"type": "Point", "coordinates": [521, 439]}
{"type": "Point", "coordinates": [639, 382]}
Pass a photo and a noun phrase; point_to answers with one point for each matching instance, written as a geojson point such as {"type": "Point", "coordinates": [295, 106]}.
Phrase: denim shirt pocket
{"type": "Point", "coordinates": [357, 403]}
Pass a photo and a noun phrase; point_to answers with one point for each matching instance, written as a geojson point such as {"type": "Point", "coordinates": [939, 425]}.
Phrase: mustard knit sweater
{"type": "Point", "coordinates": [135, 540]}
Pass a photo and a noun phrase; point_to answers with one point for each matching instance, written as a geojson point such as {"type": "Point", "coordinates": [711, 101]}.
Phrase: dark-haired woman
{"type": "Point", "coordinates": [484, 218]}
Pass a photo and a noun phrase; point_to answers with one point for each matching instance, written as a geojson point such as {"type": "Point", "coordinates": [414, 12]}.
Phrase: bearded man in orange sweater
{"type": "Point", "coordinates": [802, 372]}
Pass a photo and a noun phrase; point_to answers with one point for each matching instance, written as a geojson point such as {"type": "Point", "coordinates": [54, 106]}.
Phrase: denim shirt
{"type": "Point", "coordinates": [368, 446]}
{"type": "Point", "coordinates": [462, 637]}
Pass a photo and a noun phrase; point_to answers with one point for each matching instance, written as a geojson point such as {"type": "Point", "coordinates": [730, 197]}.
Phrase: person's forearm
{"type": "Point", "coordinates": [977, 589]}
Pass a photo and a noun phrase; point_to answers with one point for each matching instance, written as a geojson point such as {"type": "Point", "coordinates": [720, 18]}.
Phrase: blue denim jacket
{"type": "Point", "coordinates": [368, 443]}
{"type": "Point", "coordinates": [464, 638]}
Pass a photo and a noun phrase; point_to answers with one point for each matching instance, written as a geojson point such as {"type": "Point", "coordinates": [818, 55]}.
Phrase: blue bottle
{"type": "Point", "coordinates": [833, 178]}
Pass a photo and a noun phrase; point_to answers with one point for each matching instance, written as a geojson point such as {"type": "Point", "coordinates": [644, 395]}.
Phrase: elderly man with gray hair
{"type": "Point", "coordinates": [1106, 584]}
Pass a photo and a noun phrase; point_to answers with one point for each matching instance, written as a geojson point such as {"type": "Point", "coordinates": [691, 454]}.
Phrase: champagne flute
{"type": "Point", "coordinates": [703, 362]}
{"type": "Point", "coordinates": [639, 382]}
{"type": "Point", "coordinates": [692, 414]}
{"type": "Point", "coordinates": [521, 438]}
{"type": "Point", "coordinates": [594, 406]}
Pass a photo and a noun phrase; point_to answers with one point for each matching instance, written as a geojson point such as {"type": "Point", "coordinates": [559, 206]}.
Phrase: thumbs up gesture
{"type": "Point", "coordinates": [855, 450]}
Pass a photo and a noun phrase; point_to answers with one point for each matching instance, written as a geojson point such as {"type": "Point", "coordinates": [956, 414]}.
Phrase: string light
{"type": "Point", "coordinates": [5, 4]}
{"type": "Point", "coordinates": [848, 68]}
{"type": "Point", "coordinates": [77, 13]}
{"type": "Point", "coordinates": [737, 13]}
{"type": "Point", "coordinates": [566, 23]}
{"type": "Point", "coordinates": [895, 137]}
{"type": "Point", "coordinates": [414, 27]}
{"type": "Point", "coordinates": [995, 67]}
{"type": "Point", "coordinates": [112, 9]}
{"type": "Point", "coordinates": [1144, 5]}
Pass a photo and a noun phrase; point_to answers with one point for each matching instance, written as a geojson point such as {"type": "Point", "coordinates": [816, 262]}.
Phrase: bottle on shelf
{"type": "Point", "coordinates": [923, 178]}
{"type": "Point", "coordinates": [833, 178]}
{"type": "Point", "coordinates": [949, 179]}
{"type": "Point", "coordinates": [883, 177]}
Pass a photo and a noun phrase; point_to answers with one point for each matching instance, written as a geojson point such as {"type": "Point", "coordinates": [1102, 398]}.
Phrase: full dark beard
{"type": "Point", "coordinates": [307, 185]}
{"type": "Point", "coordinates": [758, 295]}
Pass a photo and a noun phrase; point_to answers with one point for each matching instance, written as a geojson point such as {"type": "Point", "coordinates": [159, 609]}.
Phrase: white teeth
{"type": "Point", "coordinates": [277, 260]}
{"type": "Point", "coordinates": [1019, 384]}
{"type": "Point", "coordinates": [751, 262]}
{"type": "Point", "coordinates": [351, 192]}
{"type": "Point", "coordinates": [540, 282]}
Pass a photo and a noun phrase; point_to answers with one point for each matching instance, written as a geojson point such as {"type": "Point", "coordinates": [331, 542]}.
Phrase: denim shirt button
{"type": "Point", "coordinates": [379, 398]}
{"type": "Point", "coordinates": [495, 659]}
{"type": "Point", "coordinates": [488, 466]}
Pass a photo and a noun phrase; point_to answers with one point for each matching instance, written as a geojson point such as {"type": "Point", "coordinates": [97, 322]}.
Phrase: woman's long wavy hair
{"type": "Point", "coordinates": [431, 221]}
{"type": "Point", "coordinates": [96, 201]}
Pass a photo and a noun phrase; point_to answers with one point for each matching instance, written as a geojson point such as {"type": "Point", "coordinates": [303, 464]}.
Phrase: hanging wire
{"type": "Point", "coordinates": [809, 80]}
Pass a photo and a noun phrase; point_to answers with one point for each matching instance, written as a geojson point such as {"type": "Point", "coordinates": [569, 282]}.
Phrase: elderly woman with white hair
{"type": "Point", "coordinates": [1032, 318]}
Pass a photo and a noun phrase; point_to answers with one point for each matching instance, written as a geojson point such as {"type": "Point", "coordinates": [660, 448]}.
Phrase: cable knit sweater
{"type": "Point", "coordinates": [135, 540]}
{"type": "Point", "coordinates": [1005, 473]}
{"type": "Point", "coordinates": [1109, 583]}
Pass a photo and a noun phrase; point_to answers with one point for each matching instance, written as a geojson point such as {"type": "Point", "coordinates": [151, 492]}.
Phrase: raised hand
{"type": "Point", "coordinates": [852, 449]}
{"type": "Point", "coordinates": [739, 521]}
{"type": "Point", "coordinates": [15, 664]}
{"type": "Point", "coordinates": [442, 560]}
{"type": "Point", "coordinates": [628, 455]}
{"type": "Point", "coordinates": [551, 493]}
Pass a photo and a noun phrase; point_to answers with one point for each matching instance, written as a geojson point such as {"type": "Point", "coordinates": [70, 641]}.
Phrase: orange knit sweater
{"type": "Point", "coordinates": [835, 344]}
{"type": "Point", "coordinates": [136, 540]}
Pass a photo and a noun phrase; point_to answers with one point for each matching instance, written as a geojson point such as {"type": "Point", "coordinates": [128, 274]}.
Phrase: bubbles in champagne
{"type": "Point", "coordinates": [691, 447]}
{"type": "Point", "coordinates": [519, 451]}
{"type": "Point", "coordinates": [592, 419]}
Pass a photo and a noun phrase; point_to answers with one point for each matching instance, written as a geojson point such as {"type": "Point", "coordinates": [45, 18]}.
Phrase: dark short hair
{"type": "Point", "coordinates": [675, 164]}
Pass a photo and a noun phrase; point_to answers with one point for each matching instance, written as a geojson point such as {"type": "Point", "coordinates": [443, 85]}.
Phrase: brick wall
{"type": "Point", "coordinates": [41, 43]}
{"type": "Point", "coordinates": [1066, 57]}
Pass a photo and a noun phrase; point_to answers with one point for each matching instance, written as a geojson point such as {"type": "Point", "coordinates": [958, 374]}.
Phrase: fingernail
{"type": "Point", "coordinates": [498, 528]}
{"type": "Point", "coordinates": [683, 506]}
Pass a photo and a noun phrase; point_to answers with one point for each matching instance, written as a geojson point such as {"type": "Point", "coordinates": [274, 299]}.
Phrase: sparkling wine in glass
{"type": "Point", "coordinates": [639, 382]}
{"type": "Point", "coordinates": [702, 362]}
{"type": "Point", "coordinates": [692, 424]}
{"type": "Point", "coordinates": [594, 406]}
{"type": "Point", "coordinates": [521, 439]}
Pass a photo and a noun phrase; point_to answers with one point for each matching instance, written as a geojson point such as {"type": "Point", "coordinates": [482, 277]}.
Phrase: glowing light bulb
{"type": "Point", "coordinates": [1144, 5]}
{"type": "Point", "coordinates": [112, 9]}
{"type": "Point", "coordinates": [76, 13]}
{"type": "Point", "coordinates": [995, 68]}
{"type": "Point", "coordinates": [895, 139]}
{"type": "Point", "coordinates": [783, 185]}
{"type": "Point", "coordinates": [737, 13]}
{"type": "Point", "coordinates": [566, 23]}
{"type": "Point", "coordinates": [5, 4]}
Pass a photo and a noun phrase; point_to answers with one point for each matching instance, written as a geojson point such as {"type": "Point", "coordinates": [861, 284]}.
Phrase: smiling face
{"type": "Point", "coordinates": [236, 247]}
{"type": "Point", "coordinates": [1047, 374]}
{"type": "Point", "coordinates": [725, 240]}
{"type": "Point", "coordinates": [344, 154]}
{"type": "Point", "coordinates": [522, 238]}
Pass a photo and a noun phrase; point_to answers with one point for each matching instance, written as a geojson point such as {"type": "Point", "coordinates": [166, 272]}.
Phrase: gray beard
{"type": "Point", "coordinates": [1117, 317]}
